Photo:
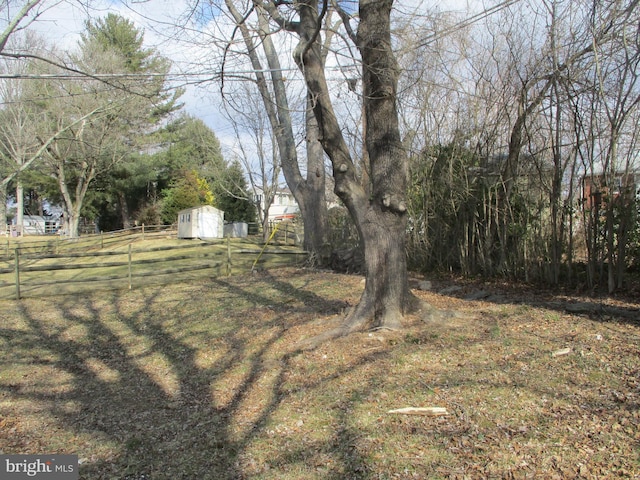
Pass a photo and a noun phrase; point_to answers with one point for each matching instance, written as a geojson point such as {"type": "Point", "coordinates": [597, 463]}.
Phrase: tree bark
{"type": "Point", "coordinates": [20, 208]}
{"type": "Point", "coordinates": [380, 217]}
{"type": "Point", "coordinates": [3, 209]}
{"type": "Point", "coordinates": [72, 200]}
{"type": "Point", "coordinates": [308, 192]}
{"type": "Point", "coordinates": [316, 223]}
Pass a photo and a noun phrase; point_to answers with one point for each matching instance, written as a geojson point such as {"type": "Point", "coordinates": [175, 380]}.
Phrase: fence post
{"type": "Point", "coordinates": [101, 240]}
{"type": "Point", "coordinates": [17, 270]}
{"type": "Point", "coordinates": [143, 231]}
{"type": "Point", "coordinates": [129, 266]}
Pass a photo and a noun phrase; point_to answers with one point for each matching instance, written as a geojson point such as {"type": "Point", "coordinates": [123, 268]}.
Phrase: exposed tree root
{"type": "Point", "coordinates": [362, 318]}
{"type": "Point", "coordinates": [314, 342]}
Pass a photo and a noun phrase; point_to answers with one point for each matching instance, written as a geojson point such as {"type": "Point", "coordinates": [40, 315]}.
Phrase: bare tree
{"type": "Point", "coordinates": [256, 148]}
{"type": "Point", "coordinates": [380, 216]}
{"type": "Point", "coordinates": [16, 21]}
{"type": "Point", "coordinates": [22, 138]}
{"type": "Point", "coordinates": [611, 157]}
{"type": "Point", "coordinates": [84, 150]}
{"type": "Point", "coordinates": [15, 137]}
{"type": "Point", "coordinates": [114, 115]}
{"type": "Point", "coordinates": [18, 137]}
{"type": "Point", "coordinates": [308, 191]}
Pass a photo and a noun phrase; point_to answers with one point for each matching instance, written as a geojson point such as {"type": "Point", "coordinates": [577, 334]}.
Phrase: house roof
{"type": "Point", "coordinates": [279, 190]}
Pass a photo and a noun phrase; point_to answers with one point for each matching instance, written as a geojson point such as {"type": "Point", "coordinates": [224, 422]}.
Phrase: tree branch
{"type": "Point", "coordinates": [13, 25]}
{"type": "Point", "coordinates": [45, 146]}
{"type": "Point", "coordinates": [346, 20]}
{"type": "Point", "coordinates": [272, 9]}
{"type": "Point", "coordinates": [97, 77]}
{"type": "Point", "coordinates": [315, 34]}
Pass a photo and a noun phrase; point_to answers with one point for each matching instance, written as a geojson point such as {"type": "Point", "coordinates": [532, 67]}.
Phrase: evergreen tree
{"type": "Point", "coordinates": [232, 196]}
{"type": "Point", "coordinates": [190, 190]}
{"type": "Point", "coordinates": [187, 143]}
{"type": "Point", "coordinates": [118, 33]}
{"type": "Point", "coordinates": [130, 187]}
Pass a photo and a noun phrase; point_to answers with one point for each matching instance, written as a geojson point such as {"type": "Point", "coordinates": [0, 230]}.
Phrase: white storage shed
{"type": "Point", "coordinates": [201, 222]}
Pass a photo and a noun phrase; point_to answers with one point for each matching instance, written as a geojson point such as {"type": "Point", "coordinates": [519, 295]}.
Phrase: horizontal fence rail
{"type": "Point", "coordinates": [57, 269]}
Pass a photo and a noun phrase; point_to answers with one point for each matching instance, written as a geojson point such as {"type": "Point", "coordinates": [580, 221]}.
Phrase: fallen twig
{"type": "Point", "coordinates": [429, 411]}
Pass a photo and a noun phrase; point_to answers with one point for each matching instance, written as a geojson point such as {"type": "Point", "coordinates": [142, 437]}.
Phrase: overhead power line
{"type": "Point", "coordinates": [169, 76]}
{"type": "Point", "coordinates": [210, 76]}
{"type": "Point", "coordinates": [95, 76]}
{"type": "Point", "coordinates": [77, 76]}
{"type": "Point", "coordinates": [466, 22]}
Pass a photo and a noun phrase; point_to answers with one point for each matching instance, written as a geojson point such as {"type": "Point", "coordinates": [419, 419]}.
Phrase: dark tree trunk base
{"type": "Point", "coordinates": [362, 318]}
{"type": "Point", "coordinates": [347, 260]}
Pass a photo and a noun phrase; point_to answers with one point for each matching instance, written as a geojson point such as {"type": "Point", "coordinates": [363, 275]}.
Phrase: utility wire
{"type": "Point", "coordinates": [209, 76]}
{"type": "Point", "coordinates": [429, 39]}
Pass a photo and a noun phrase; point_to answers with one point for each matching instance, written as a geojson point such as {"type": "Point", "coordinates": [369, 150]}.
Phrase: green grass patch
{"type": "Point", "coordinates": [57, 267]}
{"type": "Point", "coordinates": [201, 379]}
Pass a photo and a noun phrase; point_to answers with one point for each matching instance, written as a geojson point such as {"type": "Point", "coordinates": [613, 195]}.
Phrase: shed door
{"type": "Point", "coordinates": [207, 225]}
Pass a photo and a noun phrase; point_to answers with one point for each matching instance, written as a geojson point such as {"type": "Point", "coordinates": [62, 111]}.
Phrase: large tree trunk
{"type": "Point", "coordinates": [73, 202]}
{"type": "Point", "coordinates": [386, 297]}
{"type": "Point", "coordinates": [316, 223]}
{"type": "Point", "coordinates": [308, 192]}
{"type": "Point", "coordinates": [380, 216]}
{"type": "Point", "coordinates": [72, 223]}
{"type": "Point", "coordinates": [383, 228]}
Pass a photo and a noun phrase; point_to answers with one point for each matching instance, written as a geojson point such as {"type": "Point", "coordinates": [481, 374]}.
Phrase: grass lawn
{"type": "Point", "coordinates": [202, 380]}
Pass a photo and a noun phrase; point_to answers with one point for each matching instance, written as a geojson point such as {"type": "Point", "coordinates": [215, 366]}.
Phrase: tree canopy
{"type": "Point", "coordinates": [121, 35]}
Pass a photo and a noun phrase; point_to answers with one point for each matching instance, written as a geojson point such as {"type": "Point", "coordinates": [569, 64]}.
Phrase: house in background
{"type": "Point", "coordinates": [37, 225]}
{"type": "Point", "coordinates": [201, 222]}
{"type": "Point", "coordinates": [284, 206]}
{"type": "Point", "coordinates": [599, 189]}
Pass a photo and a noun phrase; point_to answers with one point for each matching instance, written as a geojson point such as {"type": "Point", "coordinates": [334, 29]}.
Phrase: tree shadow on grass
{"type": "Point", "coordinates": [156, 384]}
{"type": "Point", "coordinates": [599, 309]}
{"type": "Point", "coordinates": [288, 293]}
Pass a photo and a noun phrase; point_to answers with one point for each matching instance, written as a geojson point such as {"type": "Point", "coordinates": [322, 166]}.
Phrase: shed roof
{"type": "Point", "coordinates": [206, 208]}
